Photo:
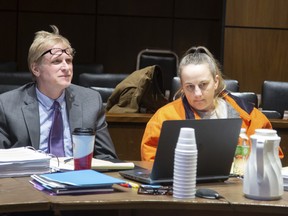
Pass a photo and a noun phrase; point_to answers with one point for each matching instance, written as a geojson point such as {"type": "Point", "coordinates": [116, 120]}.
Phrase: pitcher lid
{"type": "Point", "coordinates": [264, 131]}
{"type": "Point", "coordinates": [269, 134]}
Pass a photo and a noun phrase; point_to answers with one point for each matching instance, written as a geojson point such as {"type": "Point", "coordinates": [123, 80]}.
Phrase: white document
{"type": "Point", "coordinates": [97, 164]}
{"type": "Point", "coordinates": [23, 161]}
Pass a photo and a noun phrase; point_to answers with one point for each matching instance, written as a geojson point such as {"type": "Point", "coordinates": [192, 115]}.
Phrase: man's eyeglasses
{"type": "Point", "coordinates": [196, 50]}
{"type": "Point", "coordinates": [155, 190]}
{"type": "Point", "coordinates": [58, 51]}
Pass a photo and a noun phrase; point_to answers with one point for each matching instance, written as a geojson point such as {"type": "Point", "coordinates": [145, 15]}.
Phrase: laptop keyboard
{"type": "Point", "coordinates": [144, 175]}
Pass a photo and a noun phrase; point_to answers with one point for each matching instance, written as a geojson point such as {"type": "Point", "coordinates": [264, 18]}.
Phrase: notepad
{"type": "Point", "coordinates": [285, 177]}
{"type": "Point", "coordinates": [97, 164]}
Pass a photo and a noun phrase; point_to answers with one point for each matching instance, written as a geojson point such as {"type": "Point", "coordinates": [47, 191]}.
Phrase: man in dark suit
{"type": "Point", "coordinates": [26, 113]}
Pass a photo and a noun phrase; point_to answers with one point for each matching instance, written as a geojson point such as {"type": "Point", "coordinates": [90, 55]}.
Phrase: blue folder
{"type": "Point", "coordinates": [82, 178]}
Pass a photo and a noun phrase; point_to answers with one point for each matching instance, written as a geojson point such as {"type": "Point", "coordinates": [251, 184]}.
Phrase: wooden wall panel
{"type": "Point", "coordinates": [56, 6]}
{"type": "Point", "coordinates": [189, 33]}
{"type": "Point", "coordinates": [257, 13]}
{"type": "Point", "coordinates": [8, 5]}
{"type": "Point", "coordinates": [147, 24]}
{"type": "Point", "coordinates": [8, 36]}
{"type": "Point", "coordinates": [79, 29]}
{"type": "Point", "coordinates": [201, 9]}
{"type": "Point", "coordinates": [113, 32]}
{"type": "Point", "coordinates": [198, 22]}
{"type": "Point", "coordinates": [255, 47]}
{"type": "Point", "coordinates": [255, 55]}
{"type": "Point", "coordinates": [120, 39]}
{"type": "Point", "coordinates": [150, 8]}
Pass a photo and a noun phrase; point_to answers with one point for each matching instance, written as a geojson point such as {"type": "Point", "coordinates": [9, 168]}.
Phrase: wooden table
{"type": "Point", "coordinates": [18, 195]}
{"type": "Point", "coordinates": [127, 131]}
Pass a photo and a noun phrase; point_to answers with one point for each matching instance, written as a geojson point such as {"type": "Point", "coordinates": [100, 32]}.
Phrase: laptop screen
{"type": "Point", "coordinates": [216, 143]}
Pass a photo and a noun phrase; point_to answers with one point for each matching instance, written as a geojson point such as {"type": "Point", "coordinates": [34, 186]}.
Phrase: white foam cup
{"type": "Point", "coordinates": [187, 133]}
{"type": "Point", "coordinates": [182, 152]}
{"type": "Point", "coordinates": [185, 164]}
{"type": "Point", "coordinates": [184, 192]}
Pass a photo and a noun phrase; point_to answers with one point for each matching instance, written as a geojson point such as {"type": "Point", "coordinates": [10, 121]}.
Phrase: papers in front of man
{"type": "Point", "coordinates": [285, 177]}
{"type": "Point", "coordinates": [75, 182]}
{"type": "Point", "coordinates": [23, 161]}
{"type": "Point", "coordinates": [64, 163]}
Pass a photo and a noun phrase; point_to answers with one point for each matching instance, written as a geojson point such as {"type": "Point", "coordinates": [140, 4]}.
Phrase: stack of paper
{"type": "Point", "coordinates": [22, 161]}
{"type": "Point", "coordinates": [285, 178]}
{"type": "Point", "coordinates": [75, 182]}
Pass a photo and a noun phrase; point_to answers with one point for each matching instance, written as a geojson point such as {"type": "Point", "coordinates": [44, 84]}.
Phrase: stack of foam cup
{"type": "Point", "coordinates": [185, 165]}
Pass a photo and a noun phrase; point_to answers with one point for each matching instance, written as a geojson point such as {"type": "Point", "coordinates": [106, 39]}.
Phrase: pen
{"type": "Point", "coordinates": [133, 185]}
{"type": "Point", "coordinates": [125, 185]}
{"type": "Point", "coordinates": [68, 159]}
{"type": "Point", "coordinates": [130, 185]}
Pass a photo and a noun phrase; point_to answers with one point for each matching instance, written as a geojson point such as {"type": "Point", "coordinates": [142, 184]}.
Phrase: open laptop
{"type": "Point", "coordinates": [216, 143]}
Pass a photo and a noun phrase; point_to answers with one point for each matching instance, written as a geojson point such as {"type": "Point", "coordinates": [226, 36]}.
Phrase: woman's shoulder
{"type": "Point", "coordinates": [171, 111]}
{"type": "Point", "coordinates": [239, 102]}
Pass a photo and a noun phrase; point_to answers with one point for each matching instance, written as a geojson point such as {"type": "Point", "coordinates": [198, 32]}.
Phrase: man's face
{"type": "Point", "coordinates": [55, 71]}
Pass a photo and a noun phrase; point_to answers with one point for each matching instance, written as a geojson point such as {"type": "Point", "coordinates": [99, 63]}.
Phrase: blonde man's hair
{"type": "Point", "coordinates": [43, 41]}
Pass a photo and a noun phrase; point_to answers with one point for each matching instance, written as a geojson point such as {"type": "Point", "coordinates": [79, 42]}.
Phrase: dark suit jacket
{"type": "Point", "coordinates": [20, 124]}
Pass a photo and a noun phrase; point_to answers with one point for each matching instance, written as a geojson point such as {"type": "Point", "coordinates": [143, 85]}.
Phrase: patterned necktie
{"type": "Point", "coordinates": [55, 139]}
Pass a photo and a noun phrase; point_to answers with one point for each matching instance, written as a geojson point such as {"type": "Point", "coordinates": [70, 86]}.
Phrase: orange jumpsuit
{"type": "Point", "coordinates": [252, 119]}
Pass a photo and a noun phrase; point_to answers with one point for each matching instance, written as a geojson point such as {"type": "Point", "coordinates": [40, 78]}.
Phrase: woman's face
{"type": "Point", "coordinates": [199, 86]}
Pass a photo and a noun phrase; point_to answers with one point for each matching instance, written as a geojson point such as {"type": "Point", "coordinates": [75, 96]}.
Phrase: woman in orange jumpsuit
{"type": "Point", "coordinates": [203, 96]}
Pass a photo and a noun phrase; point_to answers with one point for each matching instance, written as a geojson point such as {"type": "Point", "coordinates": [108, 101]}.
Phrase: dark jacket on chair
{"type": "Point", "coordinates": [141, 91]}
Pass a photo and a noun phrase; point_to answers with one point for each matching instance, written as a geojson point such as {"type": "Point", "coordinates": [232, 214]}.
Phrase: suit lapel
{"type": "Point", "coordinates": [31, 116]}
{"type": "Point", "coordinates": [73, 109]}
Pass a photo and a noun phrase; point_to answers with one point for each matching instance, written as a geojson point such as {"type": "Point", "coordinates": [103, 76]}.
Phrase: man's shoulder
{"type": "Point", "coordinates": [78, 89]}
{"type": "Point", "coordinates": [82, 92]}
{"type": "Point", "coordinates": [19, 92]}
